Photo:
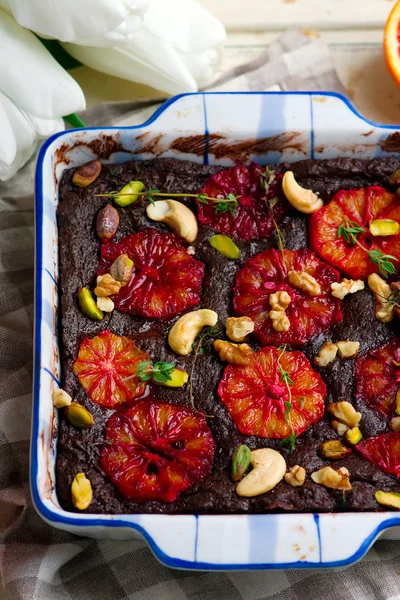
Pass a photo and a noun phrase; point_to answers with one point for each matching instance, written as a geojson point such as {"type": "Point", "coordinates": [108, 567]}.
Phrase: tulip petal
{"type": "Point", "coordinates": [31, 77]}
{"type": "Point", "coordinates": [146, 59]}
{"type": "Point", "coordinates": [121, 35]}
{"type": "Point", "coordinates": [186, 24]}
{"type": "Point", "coordinates": [202, 65]}
{"type": "Point", "coordinates": [69, 20]}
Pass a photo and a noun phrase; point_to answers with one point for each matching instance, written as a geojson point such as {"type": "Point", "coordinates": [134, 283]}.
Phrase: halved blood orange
{"type": "Point", "coordinates": [253, 218]}
{"type": "Point", "coordinates": [378, 377]}
{"type": "Point", "coordinates": [383, 451]}
{"type": "Point", "coordinates": [155, 451]}
{"type": "Point", "coordinates": [106, 367]}
{"type": "Point", "coordinates": [256, 395]}
{"type": "Point", "coordinates": [361, 207]}
{"type": "Point", "coordinates": [166, 280]}
{"type": "Point", "coordinates": [267, 273]}
{"type": "Point", "coordinates": [391, 43]}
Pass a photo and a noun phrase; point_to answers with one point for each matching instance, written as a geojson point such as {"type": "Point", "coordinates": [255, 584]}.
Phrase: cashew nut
{"type": "Point", "coordinates": [303, 200]}
{"type": "Point", "coordinates": [183, 333]}
{"type": "Point", "coordinates": [269, 468]}
{"type": "Point", "coordinates": [176, 215]}
{"type": "Point", "coordinates": [305, 282]}
{"type": "Point", "coordinates": [279, 302]}
{"type": "Point", "coordinates": [382, 291]}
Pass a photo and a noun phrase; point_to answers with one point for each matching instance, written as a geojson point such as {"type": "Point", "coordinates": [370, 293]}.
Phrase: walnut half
{"type": "Point", "coordinates": [336, 480]}
{"type": "Point", "coordinates": [279, 302]}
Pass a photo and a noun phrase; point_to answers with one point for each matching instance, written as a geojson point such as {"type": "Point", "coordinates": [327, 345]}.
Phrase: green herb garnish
{"type": "Point", "coordinates": [160, 372]}
{"type": "Point", "coordinates": [348, 230]}
{"type": "Point", "coordinates": [290, 440]}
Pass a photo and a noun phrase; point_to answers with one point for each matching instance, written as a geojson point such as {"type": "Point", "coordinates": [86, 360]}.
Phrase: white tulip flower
{"type": "Point", "coordinates": [87, 22]}
{"type": "Point", "coordinates": [35, 92]}
{"type": "Point", "coordinates": [176, 50]}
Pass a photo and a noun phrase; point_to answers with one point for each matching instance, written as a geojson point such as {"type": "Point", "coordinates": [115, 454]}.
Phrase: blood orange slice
{"type": "Point", "coordinates": [378, 377]}
{"type": "Point", "coordinates": [253, 218]}
{"type": "Point", "coordinates": [155, 451]}
{"type": "Point", "coordinates": [166, 280]}
{"type": "Point", "coordinates": [256, 395]}
{"type": "Point", "coordinates": [267, 273]}
{"type": "Point", "coordinates": [383, 451]}
{"type": "Point", "coordinates": [106, 367]}
{"type": "Point", "coordinates": [358, 207]}
{"type": "Point", "coordinates": [391, 42]}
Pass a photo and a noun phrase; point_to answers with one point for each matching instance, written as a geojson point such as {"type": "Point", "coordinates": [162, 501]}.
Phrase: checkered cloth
{"type": "Point", "coordinates": [38, 562]}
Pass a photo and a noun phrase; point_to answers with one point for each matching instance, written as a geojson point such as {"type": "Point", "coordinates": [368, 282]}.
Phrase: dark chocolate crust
{"type": "Point", "coordinates": [78, 450]}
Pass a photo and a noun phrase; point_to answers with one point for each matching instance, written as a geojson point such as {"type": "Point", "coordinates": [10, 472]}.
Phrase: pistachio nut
{"type": "Point", "coordinates": [61, 398]}
{"type": "Point", "coordinates": [240, 462]}
{"type": "Point", "coordinates": [81, 491]}
{"type": "Point", "coordinates": [78, 416]}
{"type": "Point", "coordinates": [121, 269]}
{"type": "Point", "coordinates": [388, 498]}
{"type": "Point", "coordinates": [129, 193]}
{"type": "Point", "coordinates": [353, 435]}
{"type": "Point", "coordinates": [225, 246]}
{"type": "Point", "coordinates": [88, 305]}
{"type": "Point", "coordinates": [384, 227]}
{"type": "Point", "coordinates": [334, 450]}
{"type": "Point", "coordinates": [394, 178]}
{"type": "Point", "coordinates": [87, 173]}
{"type": "Point", "coordinates": [178, 379]}
{"type": "Point", "coordinates": [107, 223]}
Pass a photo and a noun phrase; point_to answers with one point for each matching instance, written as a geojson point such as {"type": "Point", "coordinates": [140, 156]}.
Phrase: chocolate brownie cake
{"type": "Point", "coordinates": [315, 379]}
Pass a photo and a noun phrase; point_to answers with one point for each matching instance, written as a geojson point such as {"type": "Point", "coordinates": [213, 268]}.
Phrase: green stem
{"type": "Point", "coordinates": [74, 120]}
{"type": "Point", "coordinates": [165, 194]}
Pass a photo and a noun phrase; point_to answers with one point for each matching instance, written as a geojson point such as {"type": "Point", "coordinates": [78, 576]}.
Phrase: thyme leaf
{"type": "Point", "coordinates": [290, 440]}
{"type": "Point", "coordinates": [161, 372]}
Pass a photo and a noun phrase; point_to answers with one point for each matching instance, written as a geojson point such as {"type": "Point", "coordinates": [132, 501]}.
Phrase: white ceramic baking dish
{"type": "Point", "coordinates": [220, 128]}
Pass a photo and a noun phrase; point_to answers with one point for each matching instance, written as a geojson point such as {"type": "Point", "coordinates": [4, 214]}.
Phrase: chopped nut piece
{"type": "Point", "coordinates": [81, 491]}
{"type": "Point", "coordinates": [382, 291]}
{"type": "Point", "coordinates": [237, 328]}
{"type": "Point", "coordinates": [234, 354]}
{"type": "Point", "coordinates": [296, 476]}
{"type": "Point", "coordinates": [87, 173]}
{"type": "Point", "coordinates": [353, 435]}
{"type": "Point", "coordinates": [336, 480]}
{"type": "Point", "coordinates": [348, 349]}
{"type": "Point", "coordinates": [384, 227]}
{"type": "Point", "coordinates": [395, 424]}
{"type": "Point", "coordinates": [346, 286]}
{"type": "Point", "coordinates": [334, 450]}
{"type": "Point", "coordinates": [105, 304]}
{"type": "Point", "coordinates": [107, 223]}
{"type": "Point", "coordinates": [302, 199]}
{"type": "Point", "coordinates": [107, 286]}
{"type": "Point", "coordinates": [269, 468]}
{"type": "Point", "coordinates": [326, 354]}
{"type": "Point", "coordinates": [388, 498]}
{"type": "Point", "coordinates": [279, 301]}
{"type": "Point", "coordinates": [88, 305]}
{"type": "Point", "coordinates": [61, 398]}
{"type": "Point", "coordinates": [340, 428]}
{"type": "Point", "coordinates": [78, 416]}
{"type": "Point", "coordinates": [398, 402]}
{"type": "Point", "coordinates": [304, 281]}
{"type": "Point", "coordinates": [191, 250]}
{"type": "Point", "coordinates": [185, 330]}
{"type": "Point", "coordinates": [344, 412]}
{"type": "Point", "coordinates": [241, 460]}
{"type": "Point", "coordinates": [121, 269]}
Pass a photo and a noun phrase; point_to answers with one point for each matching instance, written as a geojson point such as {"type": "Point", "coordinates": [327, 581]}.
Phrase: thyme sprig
{"type": "Point", "coordinates": [198, 348]}
{"type": "Point", "coordinates": [290, 440]}
{"type": "Point", "coordinates": [160, 372]}
{"type": "Point", "coordinates": [349, 230]}
{"type": "Point", "coordinates": [228, 204]}
{"type": "Point", "coordinates": [267, 177]}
